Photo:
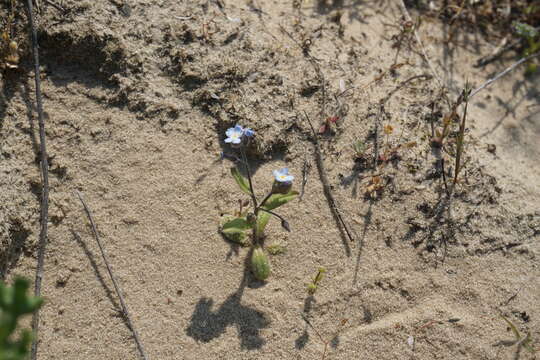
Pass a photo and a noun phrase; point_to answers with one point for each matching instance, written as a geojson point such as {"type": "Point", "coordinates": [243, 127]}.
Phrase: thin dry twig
{"type": "Point", "coordinates": [501, 74]}
{"type": "Point", "coordinates": [325, 342]}
{"type": "Point", "coordinates": [502, 48]}
{"type": "Point", "coordinates": [424, 53]}
{"type": "Point", "coordinates": [318, 154]}
{"type": "Point", "coordinates": [305, 171]}
{"type": "Point", "coordinates": [113, 278]}
{"type": "Point", "coordinates": [44, 212]}
{"type": "Point", "coordinates": [326, 186]}
{"type": "Point", "coordinates": [56, 6]}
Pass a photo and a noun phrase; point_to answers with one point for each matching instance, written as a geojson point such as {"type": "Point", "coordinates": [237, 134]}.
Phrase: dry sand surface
{"type": "Point", "coordinates": [138, 96]}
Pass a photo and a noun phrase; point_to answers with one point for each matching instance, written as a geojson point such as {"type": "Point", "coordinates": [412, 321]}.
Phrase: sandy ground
{"type": "Point", "coordinates": [138, 98]}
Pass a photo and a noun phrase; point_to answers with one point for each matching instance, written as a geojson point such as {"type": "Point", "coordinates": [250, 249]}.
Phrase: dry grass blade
{"type": "Point", "coordinates": [424, 54]}
{"type": "Point", "coordinates": [461, 135]}
{"type": "Point", "coordinates": [502, 73]}
{"type": "Point", "coordinates": [113, 278]}
{"type": "Point", "coordinates": [44, 212]}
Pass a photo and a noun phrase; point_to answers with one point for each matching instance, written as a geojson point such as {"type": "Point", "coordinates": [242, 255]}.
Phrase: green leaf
{"type": "Point", "coordinates": [276, 200]}
{"type": "Point", "coordinates": [260, 264]}
{"type": "Point", "coordinates": [235, 230]}
{"type": "Point", "coordinates": [512, 327]}
{"type": "Point", "coordinates": [239, 223]}
{"type": "Point", "coordinates": [14, 303]}
{"type": "Point", "coordinates": [527, 343]}
{"type": "Point", "coordinates": [240, 180]}
{"type": "Point", "coordinates": [262, 220]}
{"type": "Point", "coordinates": [525, 30]}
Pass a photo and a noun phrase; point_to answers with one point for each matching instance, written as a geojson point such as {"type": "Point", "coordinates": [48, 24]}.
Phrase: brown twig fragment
{"type": "Point", "coordinates": [305, 171]}
{"type": "Point", "coordinates": [113, 278]}
{"type": "Point", "coordinates": [44, 212]}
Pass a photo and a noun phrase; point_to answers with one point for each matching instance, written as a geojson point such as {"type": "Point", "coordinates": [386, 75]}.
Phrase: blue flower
{"type": "Point", "coordinates": [234, 135]}
{"type": "Point", "coordinates": [282, 176]}
{"type": "Point", "coordinates": [249, 132]}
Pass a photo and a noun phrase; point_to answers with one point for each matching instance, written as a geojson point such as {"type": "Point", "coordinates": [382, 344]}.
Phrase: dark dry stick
{"type": "Point", "coordinates": [55, 5]}
{"type": "Point", "coordinates": [460, 139]}
{"type": "Point", "coordinates": [318, 155]}
{"type": "Point", "coordinates": [109, 269]}
{"type": "Point", "coordinates": [444, 177]}
{"type": "Point", "coordinates": [44, 216]}
{"type": "Point", "coordinates": [376, 137]}
{"type": "Point", "coordinates": [326, 186]}
{"type": "Point", "coordinates": [305, 171]}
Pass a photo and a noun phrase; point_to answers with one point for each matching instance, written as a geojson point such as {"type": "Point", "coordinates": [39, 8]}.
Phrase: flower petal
{"type": "Point", "coordinates": [239, 128]}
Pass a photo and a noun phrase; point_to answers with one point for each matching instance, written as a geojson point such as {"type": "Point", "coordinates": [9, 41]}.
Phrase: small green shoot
{"type": "Point", "coordinates": [312, 286]}
{"type": "Point", "coordinates": [240, 180]}
{"type": "Point", "coordinates": [525, 342]}
{"type": "Point", "coordinates": [14, 304]}
{"type": "Point", "coordinates": [276, 249]}
{"type": "Point", "coordinates": [532, 37]}
{"type": "Point", "coordinates": [359, 148]}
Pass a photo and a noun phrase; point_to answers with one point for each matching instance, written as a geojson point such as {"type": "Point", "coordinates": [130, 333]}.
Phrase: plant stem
{"type": "Point", "coordinates": [253, 197]}
{"type": "Point", "coordinates": [461, 135]}
{"type": "Point", "coordinates": [272, 213]}
{"type": "Point", "coordinates": [263, 202]}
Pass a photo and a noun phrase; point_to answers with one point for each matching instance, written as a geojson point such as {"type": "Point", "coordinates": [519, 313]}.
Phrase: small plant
{"type": "Point", "coordinates": [236, 228]}
{"type": "Point", "coordinates": [532, 37]}
{"type": "Point", "coordinates": [453, 146]}
{"type": "Point", "coordinates": [312, 286]}
{"type": "Point", "coordinates": [276, 249]}
{"type": "Point", "coordinates": [375, 187]}
{"type": "Point", "coordinates": [9, 49]}
{"type": "Point", "coordinates": [327, 124]}
{"type": "Point", "coordinates": [521, 341]}
{"type": "Point", "coordinates": [332, 341]}
{"type": "Point", "coordinates": [390, 152]}
{"type": "Point", "coordinates": [359, 147]}
{"type": "Point", "coordinates": [15, 303]}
